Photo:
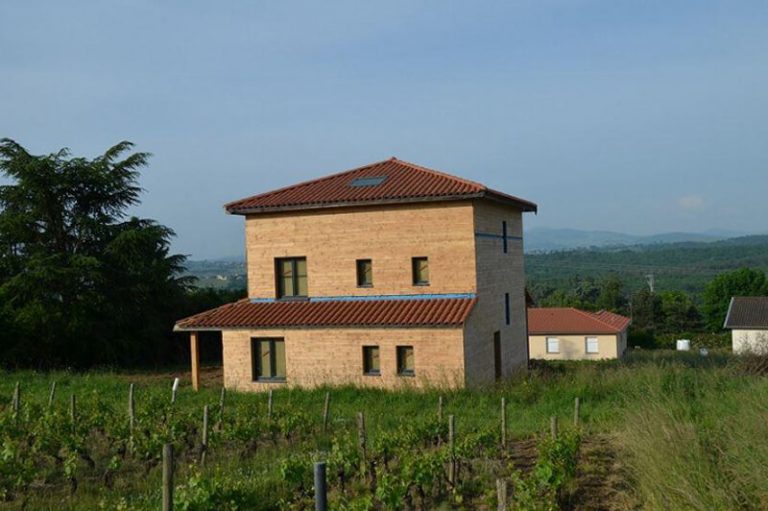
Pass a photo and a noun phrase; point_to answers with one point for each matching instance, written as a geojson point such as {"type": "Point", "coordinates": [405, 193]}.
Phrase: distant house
{"type": "Point", "coordinates": [386, 274]}
{"type": "Point", "coordinates": [747, 319]}
{"type": "Point", "coordinates": [566, 333]}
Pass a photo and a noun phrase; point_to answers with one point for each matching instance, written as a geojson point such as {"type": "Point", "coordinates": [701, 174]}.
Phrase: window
{"type": "Point", "coordinates": [364, 273]}
{"type": "Point", "coordinates": [504, 234]}
{"type": "Point", "coordinates": [405, 361]}
{"type": "Point", "coordinates": [371, 360]}
{"type": "Point", "coordinates": [592, 345]}
{"type": "Point", "coordinates": [367, 181]}
{"type": "Point", "coordinates": [291, 277]}
{"type": "Point", "coordinates": [420, 271]}
{"type": "Point", "coordinates": [268, 359]}
{"type": "Point", "coordinates": [506, 308]}
{"type": "Point", "coordinates": [553, 345]}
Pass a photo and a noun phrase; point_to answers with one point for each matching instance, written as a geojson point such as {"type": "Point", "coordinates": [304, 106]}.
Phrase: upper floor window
{"type": "Point", "coordinates": [291, 277]}
{"type": "Point", "coordinates": [268, 359]}
{"type": "Point", "coordinates": [364, 273]}
{"type": "Point", "coordinates": [420, 266]}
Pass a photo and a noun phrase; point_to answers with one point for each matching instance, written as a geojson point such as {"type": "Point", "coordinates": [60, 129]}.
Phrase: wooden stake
{"type": "Point", "coordinates": [204, 443]}
{"type": "Point", "coordinates": [168, 477]}
{"type": "Point", "coordinates": [440, 409]}
{"type": "Point", "coordinates": [502, 494]}
{"type": "Point", "coordinates": [321, 488]}
{"type": "Point", "coordinates": [553, 427]}
{"type": "Point", "coordinates": [131, 409]}
{"type": "Point", "coordinates": [174, 389]}
{"type": "Point", "coordinates": [222, 397]}
{"type": "Point", "coordinates": [52, 394]}
{"type": "Point", "coordinates": [326, 410]}
{"type": "Point", "coordinates": [452, 448]}
{"type": "Point", "coordinates": [73, 410]}
{"type": "Point", "coordinates": [576, 411]}
{"type": "Point", "coordinates": [269, 405]}
{"type": "Point", "coordinates": [503, 423]}
{"type": "Point", "coordinates": [361, 440]}
{"type": "Point", "coordinates": [16, 400]}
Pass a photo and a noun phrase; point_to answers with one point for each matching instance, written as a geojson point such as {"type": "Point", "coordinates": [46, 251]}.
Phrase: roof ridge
{"type": "Point", "coordinates": [440, 173]}
{"type": "Point", "coordinates": [594, 316]}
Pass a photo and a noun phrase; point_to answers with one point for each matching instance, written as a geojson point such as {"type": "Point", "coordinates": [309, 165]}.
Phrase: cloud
{"type": "Point", "coordinates": [691, 202]}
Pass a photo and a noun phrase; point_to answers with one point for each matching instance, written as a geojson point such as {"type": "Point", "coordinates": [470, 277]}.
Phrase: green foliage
{"type": "Point", "coordinates": [718, 293]}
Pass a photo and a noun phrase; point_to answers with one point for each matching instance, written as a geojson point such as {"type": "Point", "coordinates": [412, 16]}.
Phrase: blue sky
{"type": "Point", "coordinates": [640, 117]}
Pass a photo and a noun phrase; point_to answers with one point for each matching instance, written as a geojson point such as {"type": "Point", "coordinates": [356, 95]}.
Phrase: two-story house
{"type": "Point", "coordinates": [385, 274]}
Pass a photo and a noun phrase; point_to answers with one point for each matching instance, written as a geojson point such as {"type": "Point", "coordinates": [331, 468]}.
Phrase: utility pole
{"type": "Point", "coordinates": [651, 282]}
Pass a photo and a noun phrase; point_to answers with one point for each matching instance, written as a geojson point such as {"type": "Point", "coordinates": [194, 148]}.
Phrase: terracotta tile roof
{"type": "Point", "coordinates": [747, 312]}
{"type": "Point", "coordinates": [427, 312]}
{"type": "Point", "coordinates": [384, 182]}
{"type": "Point", "coordinates": [567, 320]}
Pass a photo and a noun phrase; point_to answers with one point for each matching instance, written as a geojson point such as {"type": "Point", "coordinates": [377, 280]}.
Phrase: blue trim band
{"type": "Point", "coordinates": [372, 298]}
{"type": "Point", "coordinates": [496, 236]}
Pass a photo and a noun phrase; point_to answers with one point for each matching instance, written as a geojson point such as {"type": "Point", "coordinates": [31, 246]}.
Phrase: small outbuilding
{"type": "Point", "coordinates": [747, 319]}
{"type": "Point", "coordinates": [566, 333]}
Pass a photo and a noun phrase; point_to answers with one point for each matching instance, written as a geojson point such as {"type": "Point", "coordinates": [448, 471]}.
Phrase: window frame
{"type": "Point", "coordinates": [279, 285]}
{"type": "Point", "coordinates": [586, 345]}
{"type": "Point", "coordinates": [400, 356]}
{"type": "Point", "coordinates": [416, 272]}
{"type": "Point", "coordinates": [367, 363]}
{"type": "Point", "coordinates": [557, 340]}
{"type": "Point", "coordinates": [504, 236]}
{"type": "Point", "coordinates": [360, 272]}
{"type": "Point", "coordinates": [256, 368]}
{"type": "Point", "coordinates": [507, 310]}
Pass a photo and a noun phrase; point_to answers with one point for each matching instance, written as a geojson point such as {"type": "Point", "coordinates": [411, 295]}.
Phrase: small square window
{"type": "Point", "coordinates": [371, 364]}
{"type": "Point", "coordinates": [553, 345]}
{"type": "Point", "coordinates": [405, 362]}
{"type": "Point", "coordinates": [268, 359]}
{"type": "Point", "coordinates": [592, 346]}
{"type": "Point", "coordinates": [420, 267]}
{"type": "Point", "coordinates": [364, 273]}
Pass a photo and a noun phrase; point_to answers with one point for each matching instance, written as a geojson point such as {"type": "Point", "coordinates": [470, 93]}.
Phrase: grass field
{"type": "Point", "coordinates": [658, 431]}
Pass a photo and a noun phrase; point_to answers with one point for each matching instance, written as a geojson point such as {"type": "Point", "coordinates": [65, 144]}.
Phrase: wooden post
{"type": "Point", "coordinates": [576, 411]}
{"type": "Point", "coordinates": [16, 400]}
{"type": "Point", "coordinates": [361, 440]}
{"type": "Point", "coordinates": [321, 490]}
{"type": "Point", "coordinates": [168, 477]}
{"type": "Point", "coordinates": [503, 423]}
{"type": "Point", "coordinates": [52, 394]}
{"type": "Point", "coordinates": [131, 409]}
{"type": "Point", "coordinates": [269, 405]}
{"type": "Point", "coordinates": [440, 409]}
{"type": "Point", "coordinates": [326, 410]}
{"type": "Point", "coordinates": [502, 494]}
{"type": "Point", "coordinates": [452, 448]}
{"type": "Point", "coordinates": [204, 443]}
{"type": "Point", "coordinates": [73, 410]}
{"type": "Point", "coordinates": [194, 355]}
{"type": "Point", "coordinates": [553, 427]}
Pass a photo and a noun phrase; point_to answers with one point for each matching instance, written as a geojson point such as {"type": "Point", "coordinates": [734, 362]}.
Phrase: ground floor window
{"type": "Point", "coordinates": [268, 359]}
{"type": "Point", "coordinates": [405, 361]}
{"type": "Point", "coordinates": [371, 365]}
{"type": "Point", "coordinates": [553, 345]}
{"type": "Point", "coordinates": [592, 346]}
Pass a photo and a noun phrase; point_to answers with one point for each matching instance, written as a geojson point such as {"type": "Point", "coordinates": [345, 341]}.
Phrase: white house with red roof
{"type": "Point", "coordinates": [566, 333]}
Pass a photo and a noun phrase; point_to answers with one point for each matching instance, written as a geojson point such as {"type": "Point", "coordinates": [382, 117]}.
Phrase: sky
{"type": "Point", "coordinates": [639, 117]}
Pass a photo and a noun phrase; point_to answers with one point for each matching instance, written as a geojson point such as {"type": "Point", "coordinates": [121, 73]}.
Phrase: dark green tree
{"type": "Point", "coordinates": [81, 282]}
{"type": "Point", "coordinates": [646, 311]}
{"type": "Point", "coordinates": [679, 313]}
{"type": "Point", "coordinates": [720, 290]}
{"type": "Point", "coordinates": [611, 295]}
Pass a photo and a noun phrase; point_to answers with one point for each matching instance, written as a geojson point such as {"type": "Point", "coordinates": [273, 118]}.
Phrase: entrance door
{"type": "Point", "coordinates": [497, 354]}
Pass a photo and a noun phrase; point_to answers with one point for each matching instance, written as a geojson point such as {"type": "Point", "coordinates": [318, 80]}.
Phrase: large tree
{"type": "Point", "coordinates": [720, 290]}
{"type": "Point", "coordinates": [81, 282]}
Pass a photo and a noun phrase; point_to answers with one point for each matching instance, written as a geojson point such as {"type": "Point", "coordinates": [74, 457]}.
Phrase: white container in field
{"type": "Point", "coordinates": [683, 345]}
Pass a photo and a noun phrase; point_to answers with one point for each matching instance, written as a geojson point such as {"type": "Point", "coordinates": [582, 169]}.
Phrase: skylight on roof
{"type": "Point", "coordinates": [368, 181]}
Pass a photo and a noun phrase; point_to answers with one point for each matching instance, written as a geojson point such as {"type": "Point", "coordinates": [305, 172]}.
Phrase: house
{"type": "Point", "coordinates": [566, 333]}
{"type": "Point", "coordinates": [747, 319]}
{"type": "Point", "coordinates": [386, 274]}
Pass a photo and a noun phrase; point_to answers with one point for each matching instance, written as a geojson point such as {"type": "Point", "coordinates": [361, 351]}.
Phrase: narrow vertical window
{"type": "Point", "coordinates": [553, 345]}
{"type": "Point", "coordinates": [506, 308]}
{"type": "Point", "coordinates": [504, 234]}
{"type": "Point", "coordinates": [364, 273]}
{"type": "Point", "coordinates": [405, 361]}
{"type": "Point", "coordinates": [268, 359]}
{"type": "Point", "coordinates": [291, 276]}
{"type": "Point", "coordinates": [371, 365]}
{"type": "Point", "coordinates": [420, 267]}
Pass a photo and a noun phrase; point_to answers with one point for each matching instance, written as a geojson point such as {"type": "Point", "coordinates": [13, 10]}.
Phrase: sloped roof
{"type": "Point", "coordinates": [568, 320]}
{"type": "Point", "coordinates": [385, 182]}
{"type": "Point", "coordinates": [747, 312]}
{"type": "Point", "coordinates": [417, 312]}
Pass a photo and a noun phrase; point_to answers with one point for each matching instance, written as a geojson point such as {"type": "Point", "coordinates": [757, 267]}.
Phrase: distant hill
{"type": "Point", "coordinates": [686, 266]}
{"type": "Point", "coordinates": [544, 239]}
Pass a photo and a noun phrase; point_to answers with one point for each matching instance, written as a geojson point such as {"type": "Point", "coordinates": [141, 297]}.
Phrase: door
{"type": "Point", "coordinates": [497, 354]}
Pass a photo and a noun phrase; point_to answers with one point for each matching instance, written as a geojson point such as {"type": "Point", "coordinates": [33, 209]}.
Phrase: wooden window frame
{"type": "Point", "coordinates": [367, 369]}
{"type": "Point", "coordinates": [556, 339]}
{"type": "Point", "coordinates": [586, 345]}
{"type": "Point", "coordinates": [256, 359]}
{"type": "Point", "coordinates": [400, 355]}
{"type": "Point", "coordinates": [415, 272]}
{"type": "Point", "coordinates": [279, 291]}
{"type": "Point", "coordinates": [360, 270]}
